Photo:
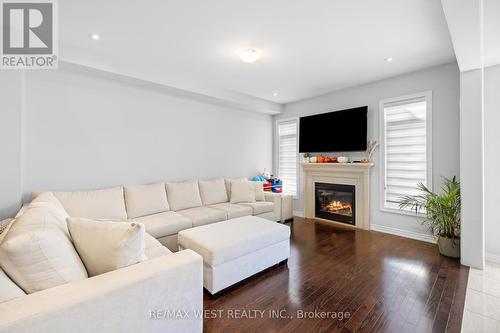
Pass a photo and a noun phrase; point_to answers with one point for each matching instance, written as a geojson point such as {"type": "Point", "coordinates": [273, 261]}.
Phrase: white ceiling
{"type": "Point", "coordinates": [310, 47]}
{"type": "Point", "coordinates": [467, 20]}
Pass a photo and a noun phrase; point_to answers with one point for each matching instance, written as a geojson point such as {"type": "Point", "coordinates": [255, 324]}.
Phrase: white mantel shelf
{"type": "Point", "coordinates": [336, 166]}
{"type": "Point", "coordinates": [357, 174]}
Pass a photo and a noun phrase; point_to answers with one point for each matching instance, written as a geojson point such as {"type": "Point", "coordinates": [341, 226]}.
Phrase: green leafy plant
{"type": "Point", "coordinates": [442, 211]}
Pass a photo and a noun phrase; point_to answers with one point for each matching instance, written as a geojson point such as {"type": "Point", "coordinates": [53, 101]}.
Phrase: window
{"type": "Point", "coordinates": [287, 155]}
{"type": "Point", "coordinates": [406, 146]}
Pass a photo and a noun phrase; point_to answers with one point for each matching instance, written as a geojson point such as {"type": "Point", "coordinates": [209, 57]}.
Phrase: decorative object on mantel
{"type": "Point", "coordinates": [343, 159]}
{"type": "Point", "coordinates": [442, 214]}
{"type": "Point", "coordinates": [370, 149]}
{"type": "Point", "coordinates": [307, 157]}
{"type": "Point", "coordinates": [319, 159]}
{"type": "Point", "coordinates": [331, 160]}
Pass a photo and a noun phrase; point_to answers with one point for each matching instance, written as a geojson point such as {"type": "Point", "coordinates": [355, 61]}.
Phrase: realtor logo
{"type": "Point", "coordinates": [29, 34]}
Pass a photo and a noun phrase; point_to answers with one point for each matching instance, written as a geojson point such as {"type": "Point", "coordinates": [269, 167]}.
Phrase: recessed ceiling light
{"type": "Point", "coordinates": [388, 59]}
{"type": "Point", "coordinates": [275, 94]}
{"type": "Point", "coordinates": [94, 36]}
{"type": "Point", "coordinates": [250, 55]}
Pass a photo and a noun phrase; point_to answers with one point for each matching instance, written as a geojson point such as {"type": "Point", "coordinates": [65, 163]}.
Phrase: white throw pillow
{"type": "Point", "coordinates": [213, 191]}
{"type": "Point", "coordinates": [183, 195]}
{"type": "Point", "coordinates": [105, 246]}
{"type": "Point", "coordinates": [242, 191]}
{"type": "Point", "coordinates": [259, 191]}
{"type": "Point", "coordinates": [37, 252]}
{"type": "Point", "coordinates": [145, 200]}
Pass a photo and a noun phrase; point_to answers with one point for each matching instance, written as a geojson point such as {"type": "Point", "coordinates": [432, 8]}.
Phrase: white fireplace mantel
{"type": "Point", "coordinates": [357, 174]}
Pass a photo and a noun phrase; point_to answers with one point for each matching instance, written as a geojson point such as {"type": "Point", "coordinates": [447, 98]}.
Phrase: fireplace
{"type": "Point", "coordinates": [335, 202]}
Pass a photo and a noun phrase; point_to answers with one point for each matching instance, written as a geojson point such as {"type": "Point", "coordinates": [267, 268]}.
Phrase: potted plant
{"type": "Point", "coordinates": [442, 214]}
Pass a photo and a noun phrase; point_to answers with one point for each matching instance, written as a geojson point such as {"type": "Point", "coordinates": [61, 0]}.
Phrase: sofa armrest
{"type": "Point", "coordinates": [276, 199]}
{"type": "Point", "coordinates": [131, 299]}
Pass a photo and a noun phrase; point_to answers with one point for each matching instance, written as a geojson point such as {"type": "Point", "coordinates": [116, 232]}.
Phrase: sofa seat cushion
{"type": "Point", "coordinates": [259, 207]}
{"type": "Point", "coordinates": [145, 200]}
{"type": "Point", "coordinates": [154, 249]}
{"type": "Point", "coordinates": [8, 289]}
{"type": "Point", "coordinates": [164, 224]}
{"type": "Point", "coordinates": [233, 210]}
{"type": "Point", "coordinates": [203, 215]}
{"type": "Point", "coordinates": [222, 242]}
{"type": "Point", "coordinates": [106, 204]}
{"type": "Point", "coordinates": [183, 195]}
{"type": "Point", "coordinates": [213, 191]}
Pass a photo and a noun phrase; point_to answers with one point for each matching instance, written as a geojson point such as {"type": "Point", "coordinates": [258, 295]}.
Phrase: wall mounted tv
{"type": "Point", "coordinates": [336, 131]}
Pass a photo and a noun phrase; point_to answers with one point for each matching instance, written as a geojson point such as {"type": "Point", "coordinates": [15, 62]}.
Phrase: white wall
{"type": "Point", "coordinates": [492, 162]}
{"type": "Point", "coordinates": [444, 83]}
{"type": "Point", "coordinates": [10, 142]}
{"type": "Point", "coordinates": [83, 131]}
{"type": "Point", "coordinates": [471, 168]}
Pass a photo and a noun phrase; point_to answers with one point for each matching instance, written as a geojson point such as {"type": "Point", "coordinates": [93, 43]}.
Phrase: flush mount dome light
{"type": "Point", "coordinates": [250, 55]}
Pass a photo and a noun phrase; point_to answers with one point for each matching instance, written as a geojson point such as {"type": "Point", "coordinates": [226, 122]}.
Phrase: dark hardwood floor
{"type": "Point", "coordinates": [385, 283]}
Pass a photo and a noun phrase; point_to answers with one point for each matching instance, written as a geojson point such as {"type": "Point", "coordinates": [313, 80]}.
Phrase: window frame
{"type": "Point", "coordinates": [277, 152]}
{"type": "Point", "coordinates": [428, 98]}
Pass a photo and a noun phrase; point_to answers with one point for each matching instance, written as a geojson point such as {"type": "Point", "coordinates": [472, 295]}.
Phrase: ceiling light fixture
{"type": "Point", "coordinates": [275, 94]}
{"type": "Point", "coordinates": [94, 36]}
{"type": "Point", "coordinates": [250, 55]}
{"type": "Point", "coordinates": [389, 59]}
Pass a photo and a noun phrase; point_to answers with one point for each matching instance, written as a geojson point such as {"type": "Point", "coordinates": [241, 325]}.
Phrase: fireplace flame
{"type": "Point", "coordinates": [338, 207]}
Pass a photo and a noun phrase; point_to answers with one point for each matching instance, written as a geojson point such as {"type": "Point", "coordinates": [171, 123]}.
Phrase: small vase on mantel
{"type": "Point", "coordinates": [307, 157]}
{"type": "Point", "coordinates": [343, 159]}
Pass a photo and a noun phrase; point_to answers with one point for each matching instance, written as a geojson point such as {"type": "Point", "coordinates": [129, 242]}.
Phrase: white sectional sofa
{"type": "Point", "coordinates": [129, 299]}
{"type": "Point", "coordinates": [167, 208]}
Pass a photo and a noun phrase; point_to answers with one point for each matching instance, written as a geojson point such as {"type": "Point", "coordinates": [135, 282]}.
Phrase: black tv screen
{"type": "Point", "coordinates": [336, 131]}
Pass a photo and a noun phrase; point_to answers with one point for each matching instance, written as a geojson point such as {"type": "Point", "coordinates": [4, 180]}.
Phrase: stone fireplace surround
{"type": "Point", "coordinates": [357, 174]}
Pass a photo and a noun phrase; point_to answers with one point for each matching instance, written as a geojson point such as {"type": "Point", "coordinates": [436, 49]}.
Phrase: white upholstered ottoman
{"type": "Point", "coordinates": [236, 249]}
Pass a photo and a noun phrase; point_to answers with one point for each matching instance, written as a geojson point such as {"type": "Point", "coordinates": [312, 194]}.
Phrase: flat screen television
{"type": "Point", "coordinates": [336, 131]}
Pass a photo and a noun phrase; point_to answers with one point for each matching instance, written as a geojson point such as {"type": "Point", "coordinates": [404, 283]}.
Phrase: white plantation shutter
{"type": "Point", "coordinates": [287, 155]}
{"type": "Point", "coordinates": [405, 131]}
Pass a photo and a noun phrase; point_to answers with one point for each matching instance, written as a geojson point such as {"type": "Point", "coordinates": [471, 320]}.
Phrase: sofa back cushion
{"type": "Point", "coordinates": [213, 191]}
{"type": "Point", "coordinates": [99, 204]}
{"type": "Point", "coordinates": [105, 246]}
{"type": "Point", "coordinates": [37, 252]}
{"type": "Point", "coordinates": [183, 195]}
{"type": "Point", "coordinates": [8, 289]}
{"type": "Point", "coordinates": [145, 200]}
{"type": "Point", "coordinates": [228, 185]}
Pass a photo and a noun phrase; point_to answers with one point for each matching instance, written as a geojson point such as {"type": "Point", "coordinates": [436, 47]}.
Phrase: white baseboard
{"type": "Point", "coordinates": [298, 213]}
{"type": "Point", "coordinates": [492, 257]}
{"type": "Point", "coordinates": [404, 233]}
